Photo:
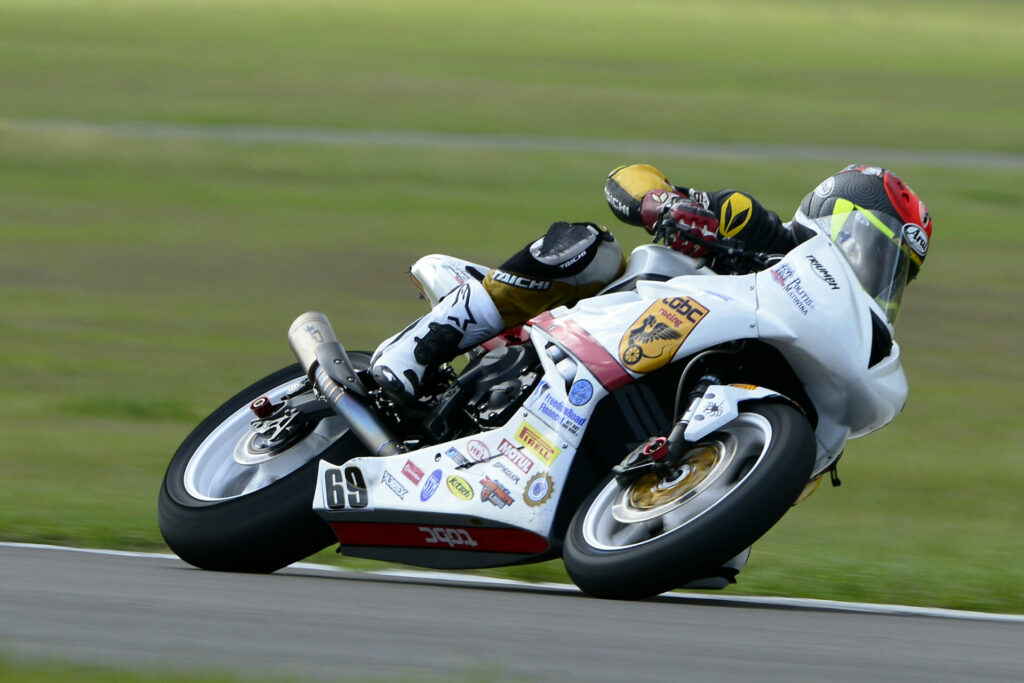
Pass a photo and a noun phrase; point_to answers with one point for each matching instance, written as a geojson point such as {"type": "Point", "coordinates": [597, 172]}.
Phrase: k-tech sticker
{"type": "Point", "coordinates": [460, 488]}
{"type": "Point", "coordinates": [345, 489]}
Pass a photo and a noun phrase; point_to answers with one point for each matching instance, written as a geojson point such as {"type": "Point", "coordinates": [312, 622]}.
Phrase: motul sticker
{"type": "Point", "coordinates": [515, 455]}
{"type": "Point", "coordinates": [657, 334]}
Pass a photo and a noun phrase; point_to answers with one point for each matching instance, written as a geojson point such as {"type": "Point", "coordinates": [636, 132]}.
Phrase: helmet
{"type": "Point", "coordinates": [876, 190]}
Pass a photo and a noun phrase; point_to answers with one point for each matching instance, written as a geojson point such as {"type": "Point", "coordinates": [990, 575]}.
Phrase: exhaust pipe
{"type": "Point", "coordinates": [313, 339]}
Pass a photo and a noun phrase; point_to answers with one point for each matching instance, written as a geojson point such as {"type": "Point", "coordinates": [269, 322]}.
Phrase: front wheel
{"type": "Point", "coordinates": [660, 532]}
{"type": "Point", "coordinates": [233, 500]}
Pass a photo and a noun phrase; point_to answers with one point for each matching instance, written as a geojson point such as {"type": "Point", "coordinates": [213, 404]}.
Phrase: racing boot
{"type": "Point", "coordinates": [460, 321]}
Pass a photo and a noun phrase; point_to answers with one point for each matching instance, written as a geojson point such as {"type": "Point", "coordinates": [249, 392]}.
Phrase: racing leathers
{"type": "Point", "coordinates": [569, 262]}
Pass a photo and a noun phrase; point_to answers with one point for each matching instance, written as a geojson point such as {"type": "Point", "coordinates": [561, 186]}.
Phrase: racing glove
{"type": "Point", "coordinates": [678, 221]}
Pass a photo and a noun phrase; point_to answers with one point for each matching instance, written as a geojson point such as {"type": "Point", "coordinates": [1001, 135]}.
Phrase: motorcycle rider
{"type": "Point", "coordinates": [575, 260]}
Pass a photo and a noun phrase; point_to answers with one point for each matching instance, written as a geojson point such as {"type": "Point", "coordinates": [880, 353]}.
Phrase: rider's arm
{"type": "Point", "coordinates": [742, 218]}
{"type": "Point", "coordinates": [642, 195]}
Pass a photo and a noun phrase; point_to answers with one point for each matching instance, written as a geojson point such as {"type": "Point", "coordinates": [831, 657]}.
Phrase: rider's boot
{"type": "Point", "coordinates": [463, 319]}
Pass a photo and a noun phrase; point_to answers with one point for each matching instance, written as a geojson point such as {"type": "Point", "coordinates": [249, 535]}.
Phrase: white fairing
{"type": "Point", "coordinates": [481, 499]}
{"type": "Point", "coordinates": [814, 311]}
{"type": "Point", "coordinates": [809, 306]}
{"type": "Point", "coordinates": [652, 261]}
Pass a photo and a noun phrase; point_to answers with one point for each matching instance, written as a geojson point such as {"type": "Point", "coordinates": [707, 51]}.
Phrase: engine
{"type": "Point", "coordinates": [497, 382]}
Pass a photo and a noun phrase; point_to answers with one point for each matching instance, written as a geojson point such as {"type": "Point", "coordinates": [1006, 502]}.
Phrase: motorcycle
{"type": "Point", "coordinates": [648, 435]}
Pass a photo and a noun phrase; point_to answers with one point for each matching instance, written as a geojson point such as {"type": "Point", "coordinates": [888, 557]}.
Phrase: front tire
{"type": "Point", "coordinates": [221, 514]}
{"type": "Point", "coordinates": [661, 532]}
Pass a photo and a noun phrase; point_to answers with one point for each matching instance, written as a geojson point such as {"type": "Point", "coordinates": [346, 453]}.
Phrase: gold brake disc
{"type": "Point", "coordinates": [652, 491]}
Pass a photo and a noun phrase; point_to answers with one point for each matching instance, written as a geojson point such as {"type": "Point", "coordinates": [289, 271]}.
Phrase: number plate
{"type": "Point", "coordinates": [345, 489]}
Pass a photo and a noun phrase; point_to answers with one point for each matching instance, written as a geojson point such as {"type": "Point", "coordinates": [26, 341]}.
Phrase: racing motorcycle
{"type": "Point", "coordinates": [648, 435]}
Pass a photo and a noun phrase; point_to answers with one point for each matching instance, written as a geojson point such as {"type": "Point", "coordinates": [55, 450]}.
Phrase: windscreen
{"type": "Point", "coordinates": [873, 246]}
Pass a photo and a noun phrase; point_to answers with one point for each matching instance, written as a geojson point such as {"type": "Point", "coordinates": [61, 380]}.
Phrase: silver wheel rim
{"type": "Point", "coordinates": [214, 473]}
{"type": "Point", "coordinates": [615, 520]}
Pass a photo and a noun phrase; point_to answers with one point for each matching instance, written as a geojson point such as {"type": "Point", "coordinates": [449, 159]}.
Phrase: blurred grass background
{"type": "Point", "coordinates": [146, 277]}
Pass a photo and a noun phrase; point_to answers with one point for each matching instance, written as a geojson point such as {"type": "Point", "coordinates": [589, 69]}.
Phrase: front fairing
{"type": "Point", "coordinates": [814, 310]}
{"type": "Point", "coordinates": [809, 305]}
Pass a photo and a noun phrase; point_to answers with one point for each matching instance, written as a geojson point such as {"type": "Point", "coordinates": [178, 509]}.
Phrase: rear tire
{"type": "Point", "coordinates": [657, 534]}
{"type": "Point", "coordinates": [266, 522]}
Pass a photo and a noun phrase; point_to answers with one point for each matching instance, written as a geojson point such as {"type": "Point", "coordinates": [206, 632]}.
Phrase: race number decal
{"type": "Point", "coordinates": [657, 334]}
{"type": "Point", "coordinates": [345, 489]}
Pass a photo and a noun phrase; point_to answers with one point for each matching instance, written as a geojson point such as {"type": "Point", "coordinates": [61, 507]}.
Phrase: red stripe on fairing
{"type": "Point", "coordinates": [486, 539]}
{"type": "Point", "coordinates": [602, 364]}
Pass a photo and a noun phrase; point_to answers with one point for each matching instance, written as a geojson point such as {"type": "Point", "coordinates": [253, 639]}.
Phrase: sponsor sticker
{"type": "Point", "coordinates": [413, 473]}
{"type": "Point", "coordinates": [790, 282]}
{"type": "Point", "coordinates": [539, 489]}
{"type": "Point", "coordinates": [459, 458]}
{"type": "Point", "coordinates": [559, 414]}
{"type": "Point", "coordinates": [478, 450]}
{"type": "Point", "coordinates": [821, 271]}
{"type": "Point", "coordinates": [460, 488]}
{"type": "Point", "coordinates": [494, 493]}
{"type": "Point", "coordinates": [581, 392]}
{"type": "Point", "coordinates": [657, 334]}
{"type": "Point", "coordinates": [507, 471]}
{"type": "Point", "coordinates": [917, 238]}
{"type": "Point", "coordinates": [519, 281]}
{"type": "Point", "coordinates": [430, 485]}
{"type": "Point", "coordinates": [515, 455]}
{"type": "Point", "coordinates": [397, 487]}
{"type": "Point", "coordinates": [449, 536]}
{"type": "Point", "coordinates": [536, 444]}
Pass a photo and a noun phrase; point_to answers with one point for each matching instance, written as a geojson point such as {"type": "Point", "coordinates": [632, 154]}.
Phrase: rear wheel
{"type": "Point", "coordinates": [237, 500]}
{"type": "Point", "coordinates": [659, 532]}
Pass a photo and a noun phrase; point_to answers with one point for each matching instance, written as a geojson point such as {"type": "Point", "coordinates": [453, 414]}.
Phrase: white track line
{"type": "Point", "coordinates": [256, 133]}
{"type": "Point", "coordinates": [473, 580]}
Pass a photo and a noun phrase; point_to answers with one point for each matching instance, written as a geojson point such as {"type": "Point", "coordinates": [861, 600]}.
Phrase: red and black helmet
{"type": "Point", "coordinates": [871, 188]}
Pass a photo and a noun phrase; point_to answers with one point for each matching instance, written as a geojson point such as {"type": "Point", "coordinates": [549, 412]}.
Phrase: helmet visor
{"type": "Point", "coordinates": [874, 246]}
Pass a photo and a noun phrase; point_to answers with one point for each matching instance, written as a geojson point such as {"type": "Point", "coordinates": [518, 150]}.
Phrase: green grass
{"type": "Point", "coordinates": [23, 670]}
{"type": "Point", "coordinates": [143, 281]}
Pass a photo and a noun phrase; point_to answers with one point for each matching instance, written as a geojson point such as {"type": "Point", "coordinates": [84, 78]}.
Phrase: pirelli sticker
{"type": "Point", "coordinates": [657, 334]}
{"type": "Point", "coordinates": [536, 444]}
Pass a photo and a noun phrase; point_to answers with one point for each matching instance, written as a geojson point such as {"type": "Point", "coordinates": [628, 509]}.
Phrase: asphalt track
{"type": "Point", "coordinates": [154, 613]}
